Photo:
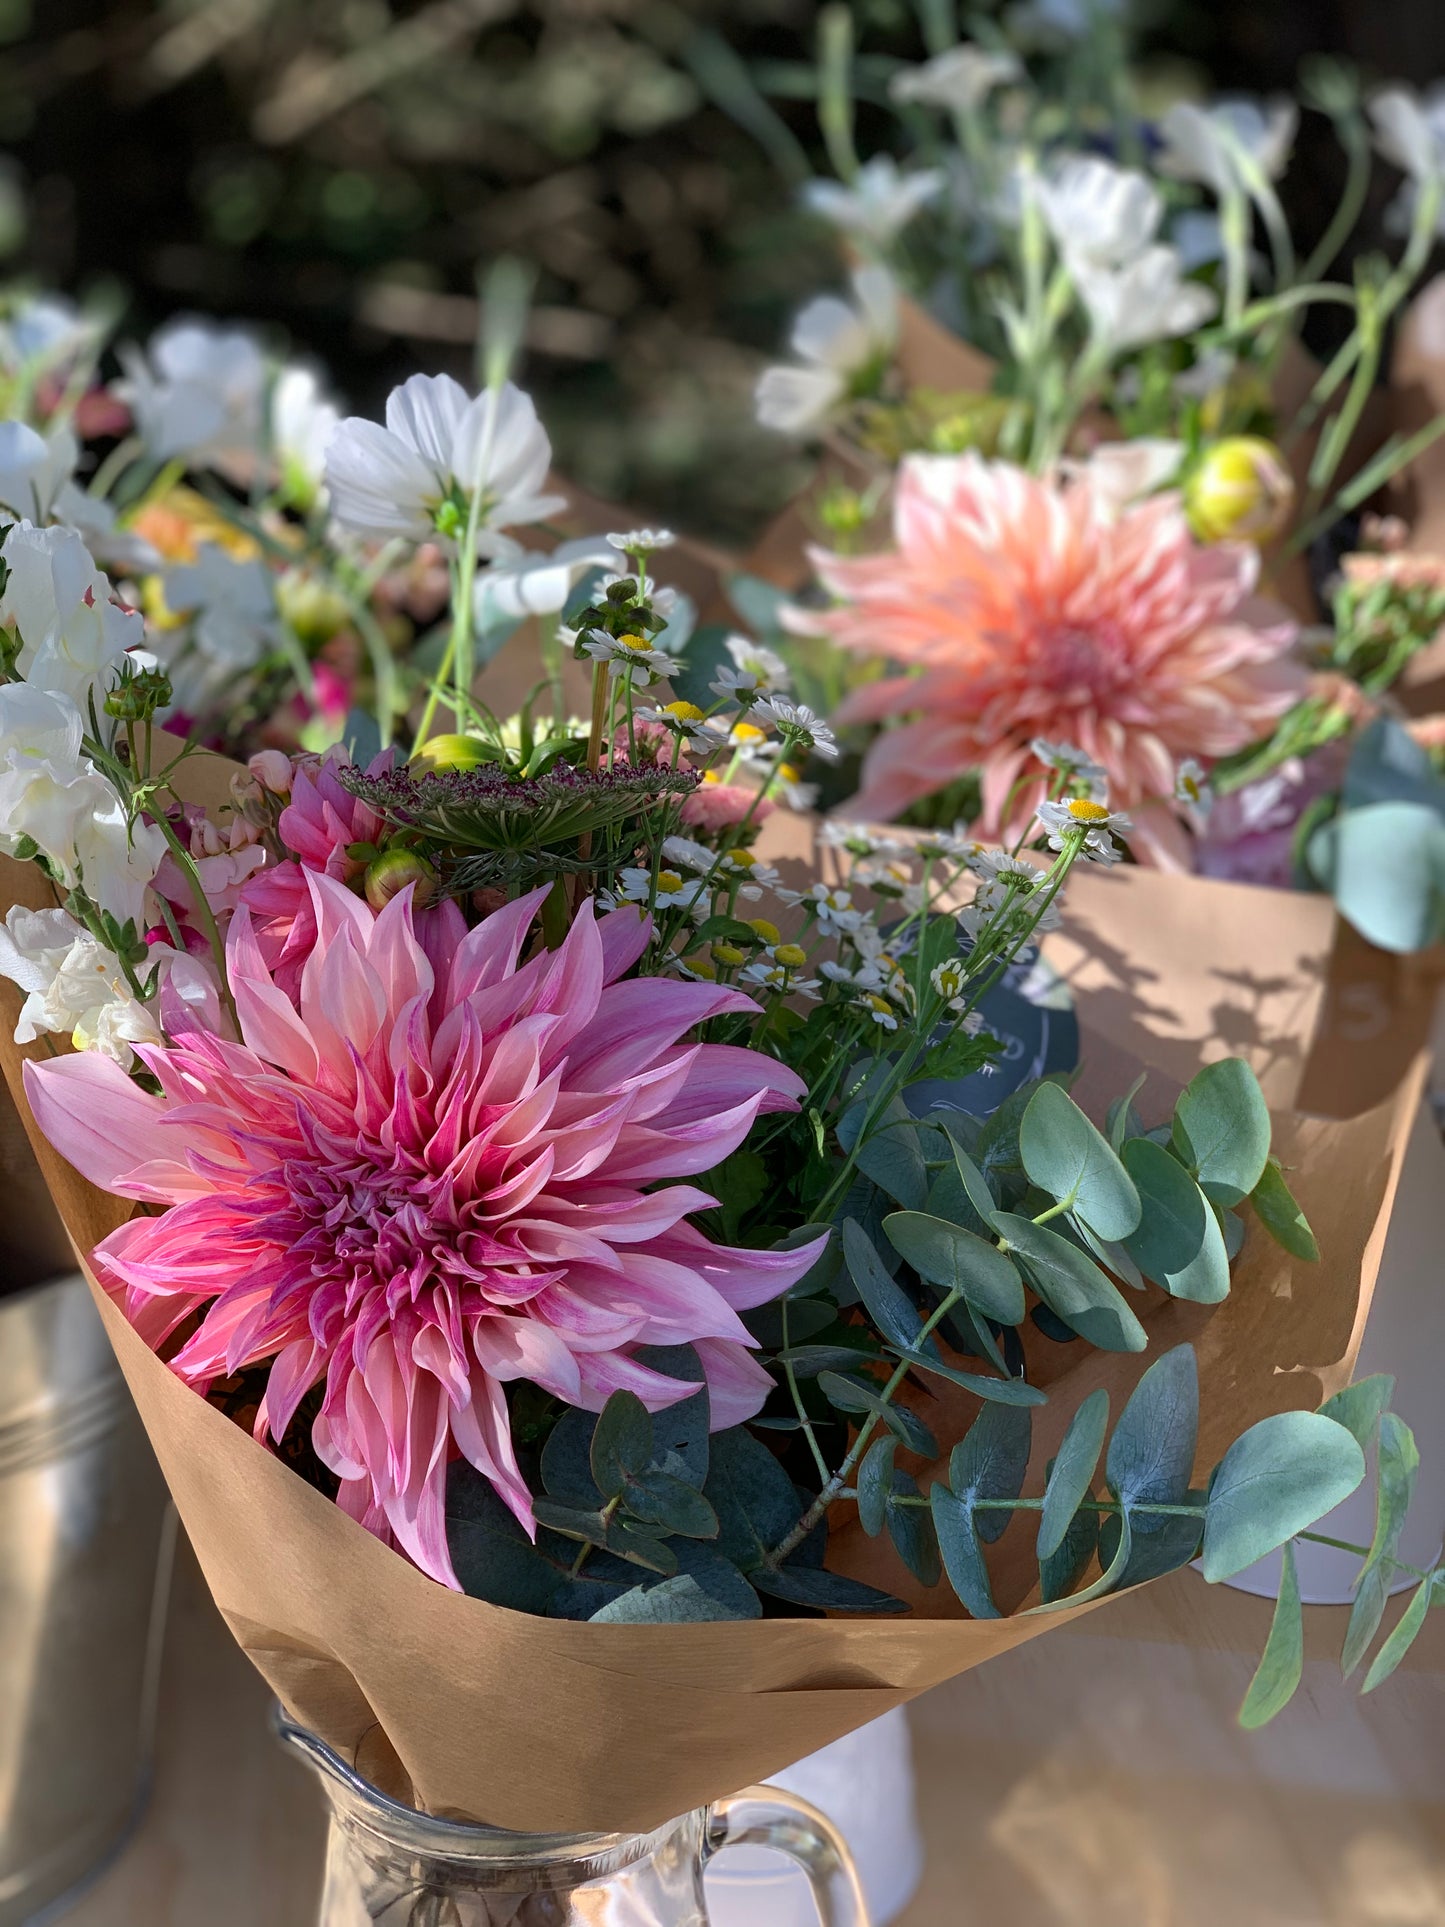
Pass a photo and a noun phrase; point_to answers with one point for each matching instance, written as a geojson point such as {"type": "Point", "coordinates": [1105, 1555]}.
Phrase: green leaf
{"type": "Point", "coordinates": [567, 1461]}
{"type": "Point", "coordinates": [1281, 1664]}
{"type": "Point", "coordinates": [1283, 1474]}
{"type": "Point", "coordinates": [963, 1560]}
{"type": "Point", "coordinates": [1403, 1635]}
{"type": "Point", "coordinates": [681, 1429]}
{"type": "Point", "coordinates": [1106, 1581]}
{"type": "Point", "coordinates": [1151, 1454]}
{"type": "Point", "coordinates": [491, 1554]}
{"type": "Point", "coordinates": [875, 1484]}
{"type": "Point", "coordinates": [892, 1158]}
{"type": "Point", "coordinates": [975, 1184]}
{"type": "Point", "coordinates": [1072, 1286]}
{"type": "Point", "coordinates": [955, 1260]}
{"type": "Point", "coordinates": [1385, 867]}
{"type": "Point", "coordinates": [658, 1498]}
{"type": "Point", "coordinates": [1222, 1130]}
{"type": "Point", "coordinates": [1006, 1391]}
{"type": "Point", "coordinates": [621, 1443]}
{"type": "Point", "coordinates": [847, 1395]}
{"type": "Point", "coordinates": [828, 1591]}
{"type": "Point", "coordinates": [1072, 1476]}
{"type": "Point", "coordinates": [1281, 1216]}
{"type": "Point", "coordinates": [808, 1360]}
{"type": "Point", "coordinates": [1123, 1121]}
{"type": "Point", "coordinates": [1160, 1544]}
{"type": "Point", "coordinates": [639, 1548]}
{"type": "Point", "coordinates": [910, 1527]}
{"type": "Point", "coordinates": [1063, 1152]}
{"type": "Point", "coordinates": [707, 1589]}
{"type": "Point", "coordinates": [1175, 1212]}
{"type": "Point", "coordinates": [1063, 1569]}
{"type": "Point", "coordinates": [1113, 1257]}
{"type": "Point", "coordinates": [886, 1303]}
{"type": "Point", "coordinates": [754, 1498]}
{"type": "Point", "coordinates": [1358, 1407]}
{"type": "Point", "coordinates": [1372, 1595]}
{"type": "Point", "coordinates": [990, 1462]}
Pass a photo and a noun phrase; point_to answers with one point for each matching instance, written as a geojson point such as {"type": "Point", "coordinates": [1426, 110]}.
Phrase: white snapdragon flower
{"type": "Point", "coordinates": [59, 604]}
{"type": "Point", "coordinates": [531, 584]}
{"type": "Point", "coordinates": [840, 345]}
{"type": "Point", "coordinates": [959, 80]}
{"type": "Point", "coordinates": [1145, 300]}
{"type": "Point", "coordinates": [34, 468]}
{"type": "Point", "coordinates": [234, 622]}
{"type": "Point", "coordinates": [303, 419]}
{"type": "Point", "coordinates": [417, 474]}
{"type": "Point", "coordinates": [74, 985]}
{"type": "Point", "coordinates": [1223, 145]}
{"type": "Point", "coordinates": [1098, 214]}
{"type": "Point", "coordinates": [879, 203]}
{"type": "Point", "coordinates": [52, 795]}
{"type": "Point", "coordinates": [197, 391]}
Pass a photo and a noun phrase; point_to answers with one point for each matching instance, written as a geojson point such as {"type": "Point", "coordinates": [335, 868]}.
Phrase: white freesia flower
{"type": "Point", "coordinates": [536, 584]}
{"type": "Point", "coordinates": [1205, 144]}
{"type": "Point", "coordinates": [1145, 300]}
{"type": "Point", "coordinates": [234, 623]}
{"type": "Point", "coordinates": [440, 445]}
{"type": "Point", "coordinates": [198, 391]}
{"type": "Point", "coordinates": [45, 332]}
{"type": "Point", "coordinates": [879, 203]}
{"type": "Point", "coordinates": [34, 468]}
{"type": "Point", "coordinates": [837, 342]}
{"type": "Point", "coordinates": [959, 80]}
{"type": "Point", "coordinates": [51, 794]}
{"type": "Point", "coordinates": [1099, 214]}
{"type": "Point", "coordinates": [303, 420]}
{"type": "Point", "coordinates": [59, 604]}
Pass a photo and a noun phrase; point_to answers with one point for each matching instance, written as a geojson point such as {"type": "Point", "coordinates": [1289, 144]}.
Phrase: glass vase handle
{"type": "Point", "coordinates": [769, 1817]}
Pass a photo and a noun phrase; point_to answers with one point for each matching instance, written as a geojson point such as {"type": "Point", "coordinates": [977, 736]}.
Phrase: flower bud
{"type": "Point", "coordinates": [1241, 490]}
{"type": "Point", "coordinates": [452, 752]}
{"type": "Point", "coordinates": [389, 874]}
{"type": "Point", "coordinates": [272, 770]}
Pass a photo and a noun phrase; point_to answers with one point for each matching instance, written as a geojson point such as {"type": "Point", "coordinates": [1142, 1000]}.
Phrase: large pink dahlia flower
{"type": "Point", "coordinates": [422, 1176]}
{"type": "Point", "coordinates": [1035, 607]}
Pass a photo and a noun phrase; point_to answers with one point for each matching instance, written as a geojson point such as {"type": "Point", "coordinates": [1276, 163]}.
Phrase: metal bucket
{"type": "Point", "coordinates": [86, 1538]}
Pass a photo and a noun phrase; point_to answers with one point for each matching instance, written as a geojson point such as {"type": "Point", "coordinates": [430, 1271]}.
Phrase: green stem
{"type": "Point", "coordinates": [206, 915]}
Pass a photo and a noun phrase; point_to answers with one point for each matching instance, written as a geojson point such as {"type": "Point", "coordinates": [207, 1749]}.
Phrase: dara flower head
{"type": "Point", "coordinates": [416, 476]}
{"type": "Point", "coordinates": [1020, 608]}
{"type": "Point", "coordinates": [431, 1173]}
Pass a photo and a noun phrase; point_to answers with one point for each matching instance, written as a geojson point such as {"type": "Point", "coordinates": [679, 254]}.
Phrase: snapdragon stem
{"type": "Point", "coordinates": [209, 927]}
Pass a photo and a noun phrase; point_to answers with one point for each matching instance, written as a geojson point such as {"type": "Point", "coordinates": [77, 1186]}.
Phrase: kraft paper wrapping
{"type": "Point", "coordinates": [538, 1725]}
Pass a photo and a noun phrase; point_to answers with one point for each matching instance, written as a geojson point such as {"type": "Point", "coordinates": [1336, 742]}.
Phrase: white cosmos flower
{"type": "Point", "coordinates": [880, 202]}
{"type": "Point", "coordinates": [51, 793]}
{"type": "Point", "coordinates": [1098, 213]}
{"type": "Point", "coordinates": [1204, 144]}
{"type": "Point", "coordinates": [198, 391]}
{"type": "Point", "coordinates": [303, 419]}
{"type": "Point", "coordinates": [234, 623]}
{"type": "Point", "coordinates": [838, 344]}
{"type": "Point", "coordinates": [959, 80]}
{"type": "Point", "coordinates": [59, 604]}
{"type": "Point", "coordinates": [44, 332]}
{"type": "Point", "coordinates": [533, 584]}
{"type": "Point", "coordinates": [34, 468]}
{"type": "Point", "coordinates": [439, 445]}
{"type": "Point", "coordinates": [1145, 300]}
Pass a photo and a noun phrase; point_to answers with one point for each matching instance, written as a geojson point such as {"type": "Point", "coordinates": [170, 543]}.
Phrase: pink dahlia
{"type": "Point", "coordinates": [1034, 607]}
{"type": "Point", "coordinates": [429, 1171]}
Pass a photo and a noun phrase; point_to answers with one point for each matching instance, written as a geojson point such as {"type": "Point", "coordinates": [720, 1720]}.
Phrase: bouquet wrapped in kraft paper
{"type": "Point", "coordinates": [536, 1724]}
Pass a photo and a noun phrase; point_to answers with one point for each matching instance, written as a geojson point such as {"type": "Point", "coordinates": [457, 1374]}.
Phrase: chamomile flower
{"type": "Point", "coordinates": [756, 671]}
{"type": "Point", "coordinates": [800, 725]}
{"type": "Point", "coordinates": [890, 876]}
{"type": "Point", "coordinates": [629, 658]}
{"type": "Point", "coordinates": [858, 839]}
{"type": "Point", "coordinates": [1096, 820]}
{"type": "Point", "coordinates": [1067, 758]}
{"type": "Point", "coordinates": [674, 890]}
{"type": "Point", "coordinates": [742, 863]}
{"type": "Point", "coordinates": [778, 968]}
{"type": "Point", "coordinates": [636, 542]}
{"type": "Point", "coordinates": [685, 718]}
{"type": "Point", "coordinates": [832, 907]}
{"type": "Point", "coordinates": [882, 1013]}
{"type": "Point", "coordinates": [786, 781]}
{"type": "Point", "coordinates": [949, 980]}
{"type": "Point", "coordinates": [948, 846]}
{"type": "Point", "coordinates": [992, 865]}
{"type": "Point", "coordinates": [764, 931]}
{"type": "Point", "coordinates": [1191, 786]}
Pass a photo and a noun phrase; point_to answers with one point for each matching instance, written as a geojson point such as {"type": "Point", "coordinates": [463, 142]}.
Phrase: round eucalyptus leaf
{"type": "Point", "coordinates": [1282, 1475]}
{"type": "Point", "coordinates": [1063, 1152]}
{"type": "Point", "coordinates": [1222, 1130]}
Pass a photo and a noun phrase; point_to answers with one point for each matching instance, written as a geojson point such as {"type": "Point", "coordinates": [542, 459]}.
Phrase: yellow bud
{"type": "Point", "coordinates": [768, 932]}
{"type": "Point", "coordinates": [729, 954]}
{"type": "Point", "coordinates": [1241, 490]}
{"type": "Point", "coordinates": [700, 967]}
{"type": "Point", "coordinates": [790, 955]}
{"type": "Point", "coordinates": [452, 752]}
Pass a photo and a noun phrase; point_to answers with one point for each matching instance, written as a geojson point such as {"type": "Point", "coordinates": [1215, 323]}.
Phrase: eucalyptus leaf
{"type": "Point", "coordinates": [911, 1529]}
{"type": "Point", "coordinates": [990, 1462]}
{"type": "Point", "coordinates": [827, 1591]}
{"type": "Point", "coordinates": [848, 1395]}
{"type": "Point", "coordinates": [891, 1157]}
{"type": "Point", "coordinates": [886, 1302]}
{"type": "Point", "coordinates": [1072, 1476]}
{"type": "Point", "coordinates": [1063, 1152]}
{"type": "Point", "coordinates": [567, 1461]}
{"type": "Point", "coordinates": [1113, 1257]}
{"type": "Point", "coordinates": [1168, 1543]}
{"type": "Point", "coordinates": [1402, 1635]}
{"type": "Point", "coordinates": [708, 1589]}
{"type": "Point", "coordinates": [1221, 1130]}
{"type": "Point", "coordinates": [1063, 1569]}
{"type": "Point", "coordinates": [975, 1184]}
{"type": "Point", "coordinates": [1175, 1212]}
{"type": "Point", "coordinates": [1281, 1665]}
{"type": "Point", "coordinates": [958, 1544]}
{"type": "Point", "coordinates": [682, 1429]}
{"type": "Point", "coordinates": [1281, 1216]}
{"type": "Point", "coordinates": [1372, 1595]}
{"type": "Point", "coordinates": [753, 1497]}
{"type": "Point", "coordinates": [1007, 1391]}
{"type": "Point", "coordinates": [1358, 1406]}
{"type": "Point", "coordinates": [621, 1443]}
{"type": "Point", "coordinates": [1072, 1285]}
{"type": "Point", "coordinates": [1385, 867]}
{"type": "Point", "coordinates": [875, 1484]}
{"type": "Point", "coordinates": [956, 1260]}
{"type": "Point", "coordinates": [1398, 1461]}
{"type": "Point", "coordinates": [1151, 1454]}
{"type": "Point", "coordinates": [1123, 1121]}
{"type": "Point", "coordinates": [1106, 1581]}
{"type": "Point", "coordinates": [659, 1498]}
{"type": "Point", "coordinates": [1283, 1474]}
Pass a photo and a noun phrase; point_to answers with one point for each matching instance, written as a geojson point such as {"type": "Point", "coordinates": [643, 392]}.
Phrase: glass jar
{"type": "Point", "coordinates": [390, 1865]}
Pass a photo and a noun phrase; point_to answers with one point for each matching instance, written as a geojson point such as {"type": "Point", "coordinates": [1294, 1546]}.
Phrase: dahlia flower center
{"type": "Point", "coordinates": [1081, 663]}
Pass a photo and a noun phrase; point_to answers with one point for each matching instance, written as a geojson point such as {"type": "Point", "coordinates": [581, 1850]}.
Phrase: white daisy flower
{"type": "Point", "coordinates": [685, 718]}
{"type": "Point", "coordinates": [634, 542]}
{"type": "Point", "coordinates": [879, 1009]}
{"type": "Point", "coordinates": [1067, 817]}
{"type": "Point", "coordinates": [756, 671]}
{"type": "Point", "coordinates": [803, 724]}
{"type": "Point", "coordinates": [630, 659]}
{"type": "Point", "coordinates": [1192, 787]}
{"type": "Point", "coordinates": [674, 890]}
{"type": "Point", "coordinates": [832, 907]}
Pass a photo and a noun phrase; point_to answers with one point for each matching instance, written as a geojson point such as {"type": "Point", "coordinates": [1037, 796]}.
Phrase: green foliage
{"type": "Point", "coordinates": [958, 1261]}
{"type": "Point", "coordinates": [1178, 1244]}
{"type": "Point", "coordinates": [1282, 1662]}
{"type": "Point", "coordinates": [1072, 1285]}
{"type": "Point", "coordinates": [1281, 1216]}
{"type": "Point", "coordinates": [1063, 1152]}
{"type": "Point", "coordinates": [1280, 1476]}
{"type": "Point", "coordinates": [1071, 1476]}
{"type": "Point", "coordinates": [1221, 1130]}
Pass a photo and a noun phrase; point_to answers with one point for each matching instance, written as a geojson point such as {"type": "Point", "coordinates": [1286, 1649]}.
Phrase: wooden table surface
{"type": "Point", "coordinates": [1092, 1779]}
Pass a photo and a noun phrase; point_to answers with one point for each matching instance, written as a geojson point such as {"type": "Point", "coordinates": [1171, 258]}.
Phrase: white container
{"type": "Point", "coordinates": [864, 1784]}
{"type": "Point", "coordinates": [1405, 1335]}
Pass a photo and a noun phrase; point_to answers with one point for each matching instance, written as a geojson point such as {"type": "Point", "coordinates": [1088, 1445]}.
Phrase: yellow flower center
{"type": "Point", "coordinates": [711, 776]}
{"type": "Point", "coordinates": [728, 953]}
{"type": "Point", "coordinates": [740, 859]}
{"type": "Point", "coordinates": [667, 882]}
{"type": "Point", "coordinates": [682, 712]}
{"type": "Point", "coordinates": [791, 956]}
{"type": "Point", "coordinates": [700, 967]}
{"type": "Point", "coordinates": [748, 733]}
{"type": "Point", "coordinates": [767, 931]}
{"type": "Point", "coordinates": [789, 772]}
{"type": "Point", "coordinates": [880, 1004]}
{"type": "Point", "coordinates": [639, 645]}
{"type": "Point", "coordinates": [1083, 811]}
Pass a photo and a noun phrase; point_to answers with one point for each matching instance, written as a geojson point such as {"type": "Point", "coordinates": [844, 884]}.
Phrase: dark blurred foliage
{"type": "Point", "coordinates": [337, 169]}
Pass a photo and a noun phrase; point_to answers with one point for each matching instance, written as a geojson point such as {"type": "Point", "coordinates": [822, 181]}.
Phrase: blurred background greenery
{"type": "Point", "coordinates": [338, 169]}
